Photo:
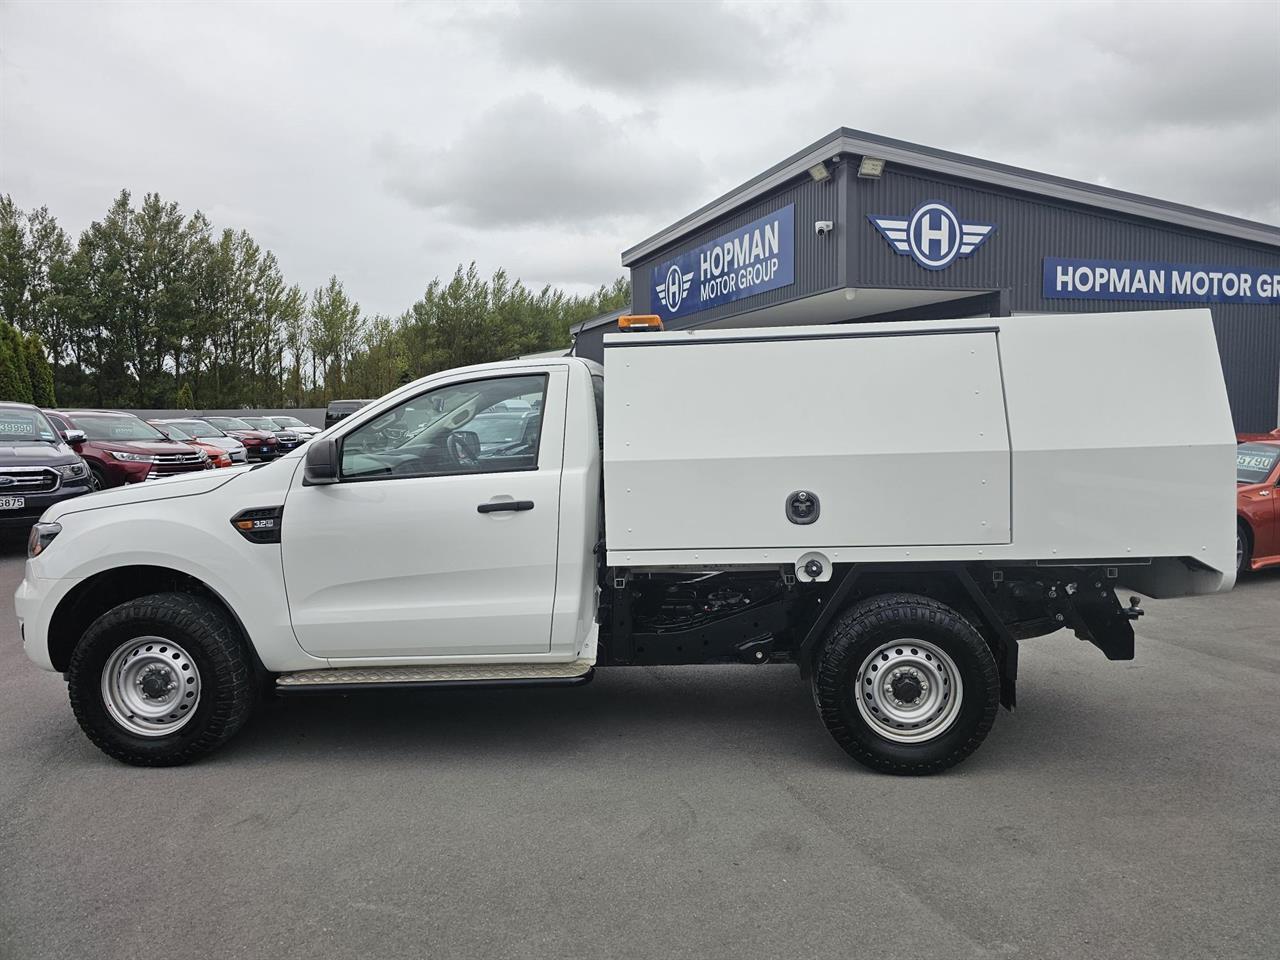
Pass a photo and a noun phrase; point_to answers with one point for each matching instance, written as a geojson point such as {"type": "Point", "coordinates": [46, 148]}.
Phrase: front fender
{"type": "Point", "coordinates": [190, 535]}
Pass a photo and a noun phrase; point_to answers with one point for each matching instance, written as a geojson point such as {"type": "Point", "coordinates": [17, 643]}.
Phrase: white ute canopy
{"type": "Point", "coordinates": [1020, 439]}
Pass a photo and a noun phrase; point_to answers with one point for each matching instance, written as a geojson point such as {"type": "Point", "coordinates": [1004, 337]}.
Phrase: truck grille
{"type": "Point", "coordinates": [167, 463]}
{"type": "Point", "coordinates": [28, 480]}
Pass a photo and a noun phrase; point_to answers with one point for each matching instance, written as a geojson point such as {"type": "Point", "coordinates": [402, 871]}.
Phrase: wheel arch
{"type": "Point", "coordinates": [97, 594]}
{"type": "Point", "coordinates": [952, 584]}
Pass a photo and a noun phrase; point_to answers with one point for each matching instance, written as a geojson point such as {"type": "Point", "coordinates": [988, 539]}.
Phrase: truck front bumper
{"type": "Point", "coordinates": [34, 602]}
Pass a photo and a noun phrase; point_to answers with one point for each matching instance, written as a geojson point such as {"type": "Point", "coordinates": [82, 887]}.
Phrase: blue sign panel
{"type": "Point", "coordinates": [1169, 282]}
{"type": "Point", "coordinates": [933, 235]}
{"type": "Point", "coordinates": [754, 258]}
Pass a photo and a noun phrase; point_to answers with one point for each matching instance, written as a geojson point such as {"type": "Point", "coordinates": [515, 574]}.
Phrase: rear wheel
{"type": "Point", "coordinates": [161, 680]}
{"type": "Point", "coordinates": [905, 684]}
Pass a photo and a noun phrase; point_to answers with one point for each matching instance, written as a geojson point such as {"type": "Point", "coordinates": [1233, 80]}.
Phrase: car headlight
{"type": "Point", "coordinates": [133, 457]}
{"type": "Point", "coordinates": [42, 535]}
{"type": "Point", "coordinates": [74, 471]}
{"type": "Point", "coordinates": [204, 457]}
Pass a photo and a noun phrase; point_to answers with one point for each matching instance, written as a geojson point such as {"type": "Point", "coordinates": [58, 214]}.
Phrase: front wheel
{"type": "Point", "coordinates": [161, 680]}
{"type": "Point", "coordinates": [1244, 549]}
{"type": "Point", "coordinates": [905, 684]}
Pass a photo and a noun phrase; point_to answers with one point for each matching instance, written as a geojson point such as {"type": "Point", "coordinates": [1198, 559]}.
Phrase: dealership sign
{"type": "Point", "coordinates": [1169, 282]}
{"type": "Point", "coordinates": [753, 258]}
{"type": "Point", "coordinates": [933, 235]}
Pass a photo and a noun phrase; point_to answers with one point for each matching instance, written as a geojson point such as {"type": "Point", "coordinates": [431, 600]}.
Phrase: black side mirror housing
{"type": "Point", "coordinates": [322, 463]}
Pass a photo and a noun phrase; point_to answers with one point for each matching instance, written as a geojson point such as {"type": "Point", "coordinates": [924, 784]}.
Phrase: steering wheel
{"type": "Point", "coordinates": [458, 450]}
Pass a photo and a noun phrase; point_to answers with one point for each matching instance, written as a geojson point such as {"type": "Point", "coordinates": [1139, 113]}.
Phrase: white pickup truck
{"type": "Point", "coordinates": [891, 507]}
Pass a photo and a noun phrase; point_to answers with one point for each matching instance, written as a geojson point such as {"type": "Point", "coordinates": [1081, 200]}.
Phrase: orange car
{"type": "Point", "coordinates": [1257, 522]}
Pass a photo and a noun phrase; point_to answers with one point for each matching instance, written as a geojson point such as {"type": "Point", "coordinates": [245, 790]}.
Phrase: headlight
{"type": "Point", "coordinates": [74, 471]}
{"type": "Point", "coordinates": [204, 457]}
{"type": "Point", "coordinates": [42, 535]}
{"type": "Point", "coordinates": [133, 457]}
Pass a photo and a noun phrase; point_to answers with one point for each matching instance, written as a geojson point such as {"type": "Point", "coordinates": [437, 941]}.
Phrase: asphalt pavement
{"type": "Point", "coordinates": [1126, 810]}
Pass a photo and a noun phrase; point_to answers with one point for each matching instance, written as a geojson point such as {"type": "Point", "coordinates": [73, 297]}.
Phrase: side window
{"type": "Point", "coordinates": [481, 426]}
{"type": "Point", "coordinates": [597, 384]}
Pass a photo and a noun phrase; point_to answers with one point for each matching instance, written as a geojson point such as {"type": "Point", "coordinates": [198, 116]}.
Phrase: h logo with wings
{"type": "Point", "coordinates": [933, 235]}
{"type": "Point", "coordinates": [673, 290]}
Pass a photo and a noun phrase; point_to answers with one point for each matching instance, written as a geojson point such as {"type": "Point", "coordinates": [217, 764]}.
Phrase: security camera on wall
{"type": "Point", "coordinates": [823, 227]}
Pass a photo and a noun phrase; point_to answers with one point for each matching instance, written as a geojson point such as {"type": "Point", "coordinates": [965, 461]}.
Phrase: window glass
{"type": "Point", "coordinates": [229, 423]}
{"type": "Point", "coordinates": [597, 384]}
{"type": "Point", "coordinates": [17, 426]}
{"type": "Point", "coordinates": [115, 427]}
{"type": "Point", "coordinates": [481, 426]}
{"type": "Point", "coordinates": [1254, 462]}
{"type": "Point", "coordinates": [199, 429]}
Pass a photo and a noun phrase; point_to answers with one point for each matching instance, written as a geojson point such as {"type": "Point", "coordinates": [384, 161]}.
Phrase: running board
{"type": "Point", "coordinates": [352, 679]}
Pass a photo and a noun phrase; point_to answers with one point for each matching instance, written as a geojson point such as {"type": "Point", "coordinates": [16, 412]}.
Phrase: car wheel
{"type": "Point", "coordinates": [97, 480]}
{"type": "Point", "coordinates": [161, 680]}
{"type": "Point", "coordinates": [1244, 549]}
{"type": "Point", "coordinates": [905, 684]}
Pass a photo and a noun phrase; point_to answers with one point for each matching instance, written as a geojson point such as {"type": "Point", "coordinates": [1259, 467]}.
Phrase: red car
{"type": "Point", "coordinates": [258, 444]}
{"type": "Point", "coordinates": [120, 448]}
{"type": "Point", "coordinates": [1257, 522]}
{"type": "Point", "coordinates": [1251, 437]}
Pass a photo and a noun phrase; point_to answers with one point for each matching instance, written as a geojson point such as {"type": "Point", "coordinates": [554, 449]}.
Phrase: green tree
{"type": "Point", "coordinates": [12, 367]}
{"type": "Point", "coordinates": [39, 372]}
{"type": "Point", "coordinates": [185, 400]}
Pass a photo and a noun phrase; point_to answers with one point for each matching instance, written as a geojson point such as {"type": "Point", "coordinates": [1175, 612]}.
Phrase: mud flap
{"type": "Point", "coordinates": [1103, 622]}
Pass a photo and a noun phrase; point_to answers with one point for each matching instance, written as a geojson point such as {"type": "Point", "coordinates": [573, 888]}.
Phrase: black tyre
{"type": "Point", "coordinates": [97, 479]}
{"type": "Point", "coordinates": [1244, 547]}
{"type": "Point", "coordinates": [906, 685]}
{"type": "Point", "coordinates": [161, 680]}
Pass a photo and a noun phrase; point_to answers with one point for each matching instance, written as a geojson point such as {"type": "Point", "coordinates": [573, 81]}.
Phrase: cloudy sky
{"type": "Point", "coordinates": [386, 142]}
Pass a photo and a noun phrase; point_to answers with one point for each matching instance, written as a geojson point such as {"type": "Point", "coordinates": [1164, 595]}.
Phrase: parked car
{"type": "Point", "coordinates": [258, 444]}
{"type": "Point", "coordinates": [288, 439]}
{"type": "Point", "coordinates": [207, 433]}
{"type": "Point", "coordinates": [121, 448]}
{"type": "Point", "coordinates": [37, 466]}
{"type": "Point", "coordinates": [217, 456]}
{"type": "Point", "coordinates": [341, 409]}
{"type": "Point", "coordinates": [1251, 437]}
{"type": "Point", "coordinates": [305, 430]}
{"type": "Point", "coordinates": [1257, 525]}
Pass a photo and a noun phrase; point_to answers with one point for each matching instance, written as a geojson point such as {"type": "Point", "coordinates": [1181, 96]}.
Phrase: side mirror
{"type": "Point", "coordinates": [322, 463]}
{"type": "Point", "coordinates": [73, 437]}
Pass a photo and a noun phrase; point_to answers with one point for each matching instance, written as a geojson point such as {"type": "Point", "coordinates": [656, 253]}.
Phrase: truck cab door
{"type": "Point", "coordinates": [429, 545]}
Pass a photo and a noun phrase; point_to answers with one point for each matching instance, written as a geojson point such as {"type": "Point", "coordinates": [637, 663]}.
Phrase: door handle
{"type": "Point", "coordinates": [512, 505]}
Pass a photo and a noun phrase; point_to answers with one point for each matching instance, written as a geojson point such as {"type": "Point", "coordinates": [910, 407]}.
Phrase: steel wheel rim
{"type": "Point", "coordinates": [151, 686]}
{"type": "Point", "coordinates": [1239, 551]}
{"type": "Point", "coordinates": [890, 675]}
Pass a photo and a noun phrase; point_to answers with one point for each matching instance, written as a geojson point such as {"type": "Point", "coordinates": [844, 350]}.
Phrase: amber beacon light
{"type": "Point", "coordinates": [646, 321]}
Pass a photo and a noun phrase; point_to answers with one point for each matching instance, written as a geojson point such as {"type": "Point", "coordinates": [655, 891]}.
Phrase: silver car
{"type": "Point", "coordinates": [207, 433]}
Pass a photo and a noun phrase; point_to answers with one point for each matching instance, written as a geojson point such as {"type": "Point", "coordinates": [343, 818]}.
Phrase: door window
{"type": "Point", "coordinates": [480, 426]}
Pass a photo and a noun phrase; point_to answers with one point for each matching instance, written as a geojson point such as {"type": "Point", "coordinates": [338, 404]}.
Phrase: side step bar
{"type": "Point", "coordinates": [355, 679]}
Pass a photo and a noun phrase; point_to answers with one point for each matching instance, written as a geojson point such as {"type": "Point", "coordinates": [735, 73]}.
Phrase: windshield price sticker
{"type": "Point", "coordinates": [1253, 461]}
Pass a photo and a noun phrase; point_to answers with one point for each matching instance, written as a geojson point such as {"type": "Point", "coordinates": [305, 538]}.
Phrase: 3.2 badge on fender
{"type": "Point", "coordinates": [933, 236]}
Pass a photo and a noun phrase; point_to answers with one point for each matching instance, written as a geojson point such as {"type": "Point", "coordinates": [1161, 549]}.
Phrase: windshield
{"type": "Point", "coordinates": [25, 426]}
{"type": "Point", "coordinates": [198, 429]}
{"type": "Point", "coordinates": [1254, 462]}
{"type": "Point", "coordinates": [229, 423]}
{"type": "Point", "coordinates": [108, 427]}
{"type": "Point", "coordinates": [289, 421]}
{"type": "Point", "coordinates": [172, 430]}
{"type": "Point", "coordinates": [260, 423]}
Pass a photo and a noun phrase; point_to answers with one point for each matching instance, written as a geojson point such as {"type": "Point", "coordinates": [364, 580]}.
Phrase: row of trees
{"type": "Point", "coordinates": [152, 308]}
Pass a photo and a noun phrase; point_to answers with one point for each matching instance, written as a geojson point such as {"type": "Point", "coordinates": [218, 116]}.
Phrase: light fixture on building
{"type": "Point", "coordinates": [819, 172]}
{"type": "Point", "coordinates": [870, 168]}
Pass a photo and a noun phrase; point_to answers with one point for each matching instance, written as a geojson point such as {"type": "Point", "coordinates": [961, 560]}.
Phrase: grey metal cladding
{"type": "Point", "coordinates": [1029, 228]}
{"type": "Point", "coordinates": [818, 260]}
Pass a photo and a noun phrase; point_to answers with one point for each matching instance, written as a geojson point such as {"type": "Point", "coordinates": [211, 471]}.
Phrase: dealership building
{"type": "Point", "coordinates": [858, 227]}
